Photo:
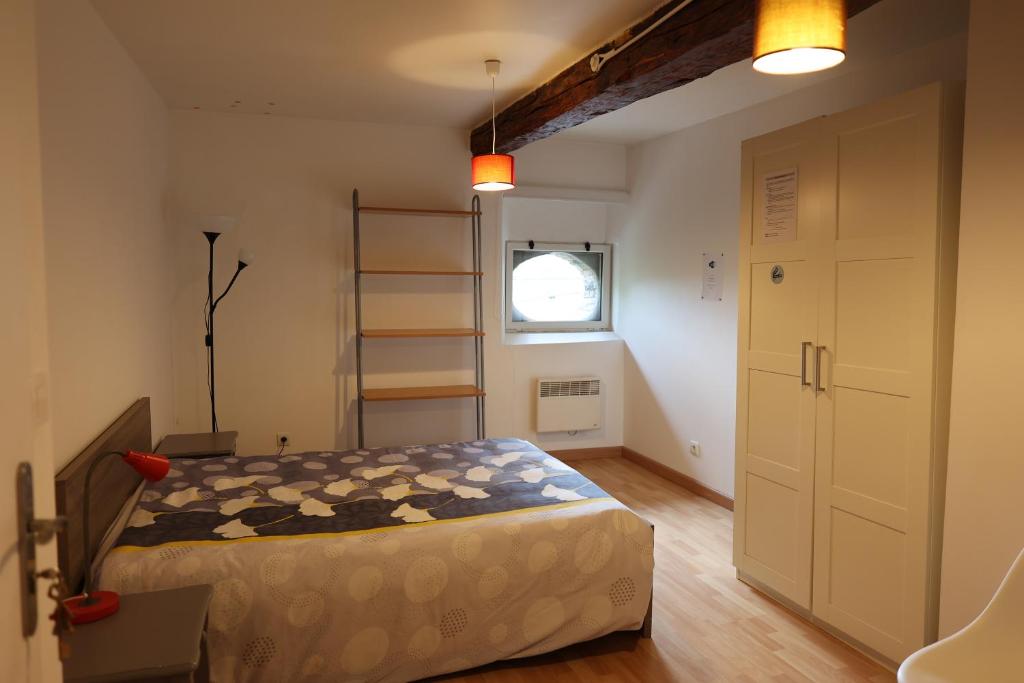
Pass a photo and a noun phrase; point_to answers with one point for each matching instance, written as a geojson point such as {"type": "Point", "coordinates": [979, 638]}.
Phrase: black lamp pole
{"type": "Point", "coordinates": [211, 237]}
{"type": "Point", "coordinates": [211, 304]}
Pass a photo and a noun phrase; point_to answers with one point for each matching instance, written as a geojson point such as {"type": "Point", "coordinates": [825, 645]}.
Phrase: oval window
{"type": "Point", "coordinates": [556, 287]}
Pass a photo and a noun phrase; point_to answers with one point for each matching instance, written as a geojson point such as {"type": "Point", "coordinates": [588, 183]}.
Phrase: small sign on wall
{"type": "Point", "coordinates": [778, 213]}
{"type": "Point", "coordinates": [712, 277]}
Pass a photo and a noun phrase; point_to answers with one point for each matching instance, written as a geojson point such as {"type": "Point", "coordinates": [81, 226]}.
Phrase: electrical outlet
{"type": "Point", "coordinates": [283, 440]}
{"type": "Point", "coordinates": [695, 449]}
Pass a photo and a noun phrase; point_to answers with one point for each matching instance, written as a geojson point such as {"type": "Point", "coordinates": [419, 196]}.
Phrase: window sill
{"type": "Point", "coordinates": [543, 338]}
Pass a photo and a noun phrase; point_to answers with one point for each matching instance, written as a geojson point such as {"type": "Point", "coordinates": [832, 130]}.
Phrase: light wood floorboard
{"type": "Point", "coordinates": [708, 626]}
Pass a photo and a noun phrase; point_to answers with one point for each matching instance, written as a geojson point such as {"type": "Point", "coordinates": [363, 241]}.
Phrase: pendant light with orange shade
{"type": "Point", "coordinates": [493, 172]}
{"type": "Point", "coordinates": [799, 36]}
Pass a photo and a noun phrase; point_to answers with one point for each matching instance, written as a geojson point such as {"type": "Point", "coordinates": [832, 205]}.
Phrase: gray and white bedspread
{"type": "Point", "coordinates": [388, 564]}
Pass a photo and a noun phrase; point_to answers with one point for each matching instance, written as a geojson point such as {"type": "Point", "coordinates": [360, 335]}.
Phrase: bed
{"type": "Point", "coordinates": [387, 564]}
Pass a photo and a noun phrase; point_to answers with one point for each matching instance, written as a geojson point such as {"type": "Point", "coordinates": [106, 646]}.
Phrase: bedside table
{"type": "Point", "coordinates": [155, 636]}
{"type": "Point", "coordinates": [202, 445]}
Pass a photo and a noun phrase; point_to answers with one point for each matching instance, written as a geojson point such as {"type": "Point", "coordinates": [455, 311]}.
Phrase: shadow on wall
{"type": "Point", "coordinates": [643, 408]}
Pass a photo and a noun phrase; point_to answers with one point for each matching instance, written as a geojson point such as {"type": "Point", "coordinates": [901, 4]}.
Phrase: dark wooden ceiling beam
{"type": "Point", "coordinates": [693, 43]}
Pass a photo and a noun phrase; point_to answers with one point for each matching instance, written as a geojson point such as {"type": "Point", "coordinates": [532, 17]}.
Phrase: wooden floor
{"type": "Point", "coordinates": [708, 626]}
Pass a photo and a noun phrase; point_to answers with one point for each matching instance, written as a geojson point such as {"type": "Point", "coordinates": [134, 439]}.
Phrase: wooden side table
{"type": "Point", "coordinates": [202, 445]}
{"type": "Point", "coordinates": [158, 636]}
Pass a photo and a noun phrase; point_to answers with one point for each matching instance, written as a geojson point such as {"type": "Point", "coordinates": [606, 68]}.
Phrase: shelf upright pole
{"type": "Point", "coordinates": [476, 322]}
{"type": "Point", "coordinates": [478, 315]}
{"type": "Point", "coordinates": [357, 266]}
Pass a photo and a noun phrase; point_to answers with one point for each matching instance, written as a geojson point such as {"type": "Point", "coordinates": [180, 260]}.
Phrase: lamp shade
{"type": "Point", "coordinates": [799, 36]}
{"type": "Point", "coordinates": [492, 172]}
{"type": "Point", "coordinates": [245, 258]}
{"type": "Point", "coordinates": [151, 466]}
{"type": "Point", "coordinates": [217, 225]}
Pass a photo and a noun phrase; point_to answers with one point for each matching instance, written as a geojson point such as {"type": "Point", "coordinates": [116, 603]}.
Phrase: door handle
{"type": "Point", "coordinates": [803, 363]}
{"type": "Point", "coordinates": [817, 368]}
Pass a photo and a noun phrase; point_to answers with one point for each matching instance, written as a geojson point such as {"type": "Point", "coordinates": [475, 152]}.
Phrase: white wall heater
{"type": "Point", "coordinates": [568, 404]}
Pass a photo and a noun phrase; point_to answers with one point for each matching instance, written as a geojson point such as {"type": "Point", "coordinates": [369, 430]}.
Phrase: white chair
{"type": "Point", "coordinates": [988, 650]}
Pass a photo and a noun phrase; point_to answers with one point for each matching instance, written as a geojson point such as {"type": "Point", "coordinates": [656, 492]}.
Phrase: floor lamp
{"type": "Point", "coordinates": [245, 258]}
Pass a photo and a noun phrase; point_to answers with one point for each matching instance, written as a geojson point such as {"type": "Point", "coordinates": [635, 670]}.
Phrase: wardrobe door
{"type": "Point", "coordinates": [877, 322]}
{"type": "Point", "coordinates": [777, 334]}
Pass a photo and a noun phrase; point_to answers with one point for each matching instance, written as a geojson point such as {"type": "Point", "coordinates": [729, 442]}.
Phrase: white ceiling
{"type": "Point", "coordinates": [874, 36]}
{"type": "Point", "coordinates": [394, 61]}
{"type": "Point", "coordinates": [421, 61]}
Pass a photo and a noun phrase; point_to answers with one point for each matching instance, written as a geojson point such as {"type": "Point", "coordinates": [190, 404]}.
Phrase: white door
{"type": "Point", "coordinates": [874, 417]}
{"type": "Point", "coordinates": [775, 410]}
{"type": "Point", "coordinates": [24, 419]}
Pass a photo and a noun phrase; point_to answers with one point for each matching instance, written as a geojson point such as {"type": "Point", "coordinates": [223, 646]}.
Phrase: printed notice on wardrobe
{"type": "Point", "coordinates": [780, 200]}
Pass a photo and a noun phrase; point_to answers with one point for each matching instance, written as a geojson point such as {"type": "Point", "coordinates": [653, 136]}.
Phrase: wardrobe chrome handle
{"type": "Point", "coordinates": [803, 363]}
{"type": "Point", "coordinates": [817, 368]}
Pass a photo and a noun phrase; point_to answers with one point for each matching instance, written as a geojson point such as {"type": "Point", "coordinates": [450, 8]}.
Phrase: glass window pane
{"type": "Point", "coordinates": [556, 286]}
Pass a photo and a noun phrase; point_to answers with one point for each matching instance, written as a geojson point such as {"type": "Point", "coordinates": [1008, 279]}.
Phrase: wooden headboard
{"type": "Point", "coordinates": [112, 483]}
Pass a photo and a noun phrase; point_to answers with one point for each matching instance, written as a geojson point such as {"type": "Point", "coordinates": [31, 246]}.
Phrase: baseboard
{"type": "Point", "coordinates": [676, 477]}
{"type": "Point", "coordinates": [663, 471]}
{"type": "Point", "coordinates": [577, 454]}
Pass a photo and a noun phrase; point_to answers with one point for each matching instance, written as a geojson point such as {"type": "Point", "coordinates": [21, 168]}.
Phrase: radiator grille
{"type": "Point", "coordinates": [570, 387]}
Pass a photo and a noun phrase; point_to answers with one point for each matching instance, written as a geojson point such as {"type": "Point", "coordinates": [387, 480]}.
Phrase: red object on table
{"type": "Point", "coordinates": [93, 607]}
{"type": "Point", "coordinates": [151, 466]}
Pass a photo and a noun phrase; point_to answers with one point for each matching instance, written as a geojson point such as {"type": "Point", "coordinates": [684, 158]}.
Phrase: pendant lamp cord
{"type": "Point", "coordinates": [494, 131]}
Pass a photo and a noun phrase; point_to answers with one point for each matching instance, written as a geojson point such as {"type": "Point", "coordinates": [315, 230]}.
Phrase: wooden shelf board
{"type": "Point", "coordinates": [417, 212]}
{"type": "Point", "coordinates": [422, 393]}
{"type": "Point", "coordinates": [413, 271]}
{"type": "Point", "coordinates": [425, 332]}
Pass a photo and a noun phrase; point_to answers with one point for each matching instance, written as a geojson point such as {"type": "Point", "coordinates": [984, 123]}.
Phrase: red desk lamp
{"type": "Point", "coordinates": [95, 605]}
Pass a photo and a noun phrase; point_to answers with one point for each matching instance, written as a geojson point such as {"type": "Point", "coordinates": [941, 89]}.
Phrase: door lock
{"type": "Point", "coordinates": [31, 531]}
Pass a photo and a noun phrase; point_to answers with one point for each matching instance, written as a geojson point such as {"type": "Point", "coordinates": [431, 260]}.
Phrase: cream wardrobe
{"type": "Point", "coordinates": [847, 282]}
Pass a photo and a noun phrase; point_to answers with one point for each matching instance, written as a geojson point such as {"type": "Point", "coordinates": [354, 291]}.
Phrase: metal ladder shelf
{"type": "Point", "coordinates": [474, 391]}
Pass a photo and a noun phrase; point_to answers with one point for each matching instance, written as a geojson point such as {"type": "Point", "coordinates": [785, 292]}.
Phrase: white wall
{"type": "Point", "coordinates": [285, 351]}
{"type": "Point", "coordinates": [984, 527]}
{"type": "Point", "coordinates": [680, 363]}
{"type": "Point", "coordinates": [520, 362]}
{"type": "Point", "coordinates": [109, 263]}
{"type": "Point", "coordinates": [565, 162]}
{"type": "Point", "coordinates": [24, 413]}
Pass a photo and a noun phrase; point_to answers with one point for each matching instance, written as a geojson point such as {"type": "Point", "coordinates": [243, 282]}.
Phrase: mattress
{"type": "Point", "coordinates": [388, 564]}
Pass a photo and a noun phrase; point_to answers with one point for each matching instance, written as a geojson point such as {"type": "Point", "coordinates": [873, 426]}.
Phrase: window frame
{"type": "Point", "coordinates": [523, 326]}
